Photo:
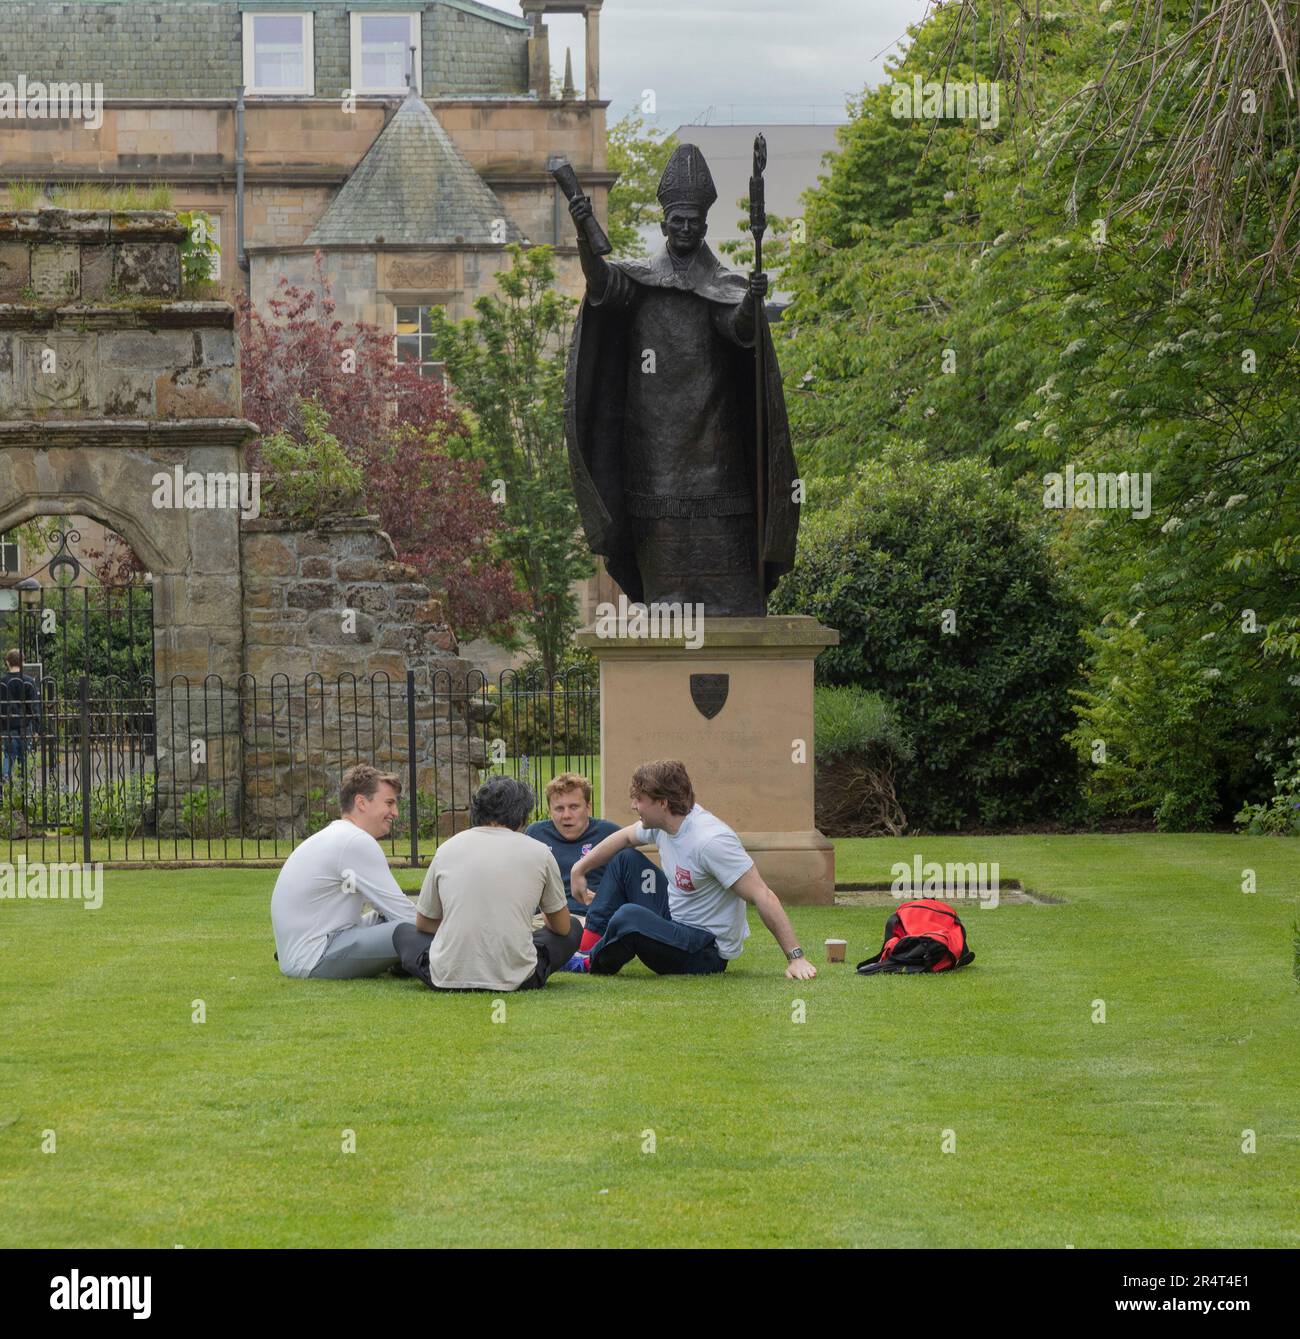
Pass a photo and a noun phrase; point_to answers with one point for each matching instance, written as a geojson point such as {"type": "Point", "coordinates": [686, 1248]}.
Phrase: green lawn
{"type": "Point", "coordinates": [530, 1131]}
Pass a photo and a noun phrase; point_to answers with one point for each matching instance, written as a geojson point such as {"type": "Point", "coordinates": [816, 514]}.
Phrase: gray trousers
{"type": "Point", "coordinates": [359, 950]}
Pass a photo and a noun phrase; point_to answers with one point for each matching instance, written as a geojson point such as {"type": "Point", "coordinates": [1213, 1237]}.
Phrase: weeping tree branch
{"type": "Point", "coordinates": [1216, 168]}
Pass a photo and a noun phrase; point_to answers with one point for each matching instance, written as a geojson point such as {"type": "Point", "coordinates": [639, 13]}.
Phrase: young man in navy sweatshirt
{"type": "Point", "coordinates": [571, 832]}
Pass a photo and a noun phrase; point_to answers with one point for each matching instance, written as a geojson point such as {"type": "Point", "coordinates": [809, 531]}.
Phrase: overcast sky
{"type": "Point", "coordinates": [772, 61]}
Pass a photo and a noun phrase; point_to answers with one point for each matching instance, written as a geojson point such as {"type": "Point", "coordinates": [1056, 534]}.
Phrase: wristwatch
{"type": "Point", "coordinates": [793, 954]}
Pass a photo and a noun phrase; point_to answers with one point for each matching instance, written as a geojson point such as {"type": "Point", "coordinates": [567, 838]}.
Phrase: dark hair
{"type": "Point", "coordinates": [14, 658]}
{"type": "Point", "coordinates": [665, 781]}
{"type": "Point", "coordinates": [364, 780]}
{"type": "Point", "coordinates": [501, 800]}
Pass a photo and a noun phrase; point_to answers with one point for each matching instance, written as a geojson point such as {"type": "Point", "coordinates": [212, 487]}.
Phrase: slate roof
{"type": "Point", "coordinates": [179, 50]}
{"type": "Point", "coordinates": [414, 185]}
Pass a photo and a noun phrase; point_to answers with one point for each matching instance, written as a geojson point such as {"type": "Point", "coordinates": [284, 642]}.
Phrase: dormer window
{"type": "Point", "coordinates": [381, 52]}
{"type": "Point", "coordinates": [278, 54]}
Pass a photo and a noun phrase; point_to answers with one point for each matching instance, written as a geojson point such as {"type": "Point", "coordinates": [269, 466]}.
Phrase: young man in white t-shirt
{"type": "Point", "coordinates": [318, 907]}
{"type": "Point", "coordinates": [691, 918]}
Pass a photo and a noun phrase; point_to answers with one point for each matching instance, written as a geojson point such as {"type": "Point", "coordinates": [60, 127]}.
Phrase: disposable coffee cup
{"type": "Point", "coordinates": [835, 949]}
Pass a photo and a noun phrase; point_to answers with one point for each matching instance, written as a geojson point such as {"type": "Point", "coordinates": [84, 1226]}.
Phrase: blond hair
{"type": "Point", "coordinates": [568, 781]}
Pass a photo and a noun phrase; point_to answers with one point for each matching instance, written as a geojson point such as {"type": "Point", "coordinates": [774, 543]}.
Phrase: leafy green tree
{"type": "Point", "coordinates": [941, 585]}
{"type": "Point", "coordinates": [1153, 737]}
{"type": "Point", "coordinates": [776, 243]}
{"type": "Point", "coordinates": [639, 156]}
{"type": "Point", "coordinates": [103, 632]}
{"type": "Point", "coordinates": [312, 475]}
{"type": "Point", "coordinates": [506, 365]}
{"type": "Point", "coordinates": [1173, 363]}
{"type": "Point", "coordinates": [1025, 296]}
{"type": "Point", "coordinates": [899, 327]}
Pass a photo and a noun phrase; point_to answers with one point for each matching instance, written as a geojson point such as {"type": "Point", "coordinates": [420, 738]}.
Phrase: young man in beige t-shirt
{"type": "Point", "coordinates": [474, 918]}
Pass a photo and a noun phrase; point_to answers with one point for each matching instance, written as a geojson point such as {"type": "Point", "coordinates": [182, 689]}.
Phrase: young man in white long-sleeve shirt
{"type": "Point", "coordinates": [318, 911]}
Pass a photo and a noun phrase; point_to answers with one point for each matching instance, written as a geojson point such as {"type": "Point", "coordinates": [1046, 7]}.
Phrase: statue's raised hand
{"type": "Point", "coordinates": [580, 208]}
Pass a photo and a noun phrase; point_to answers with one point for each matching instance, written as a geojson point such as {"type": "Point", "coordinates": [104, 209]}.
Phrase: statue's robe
{"type": "Point", "coordinates": [673, 438]}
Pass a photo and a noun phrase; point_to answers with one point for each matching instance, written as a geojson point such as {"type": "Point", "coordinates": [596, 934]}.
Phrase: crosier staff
{"type": "Point", "coordinates": [758, 226]}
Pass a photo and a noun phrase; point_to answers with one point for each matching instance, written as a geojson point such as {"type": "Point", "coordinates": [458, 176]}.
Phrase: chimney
{"type": "Point", "coordinates": [539, 58]}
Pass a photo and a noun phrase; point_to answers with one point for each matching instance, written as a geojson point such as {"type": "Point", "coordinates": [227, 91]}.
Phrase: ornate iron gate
{"type": "Point", "coordinates": [66, 631]}
{"type": "Point", "coordinates": [83, 752]}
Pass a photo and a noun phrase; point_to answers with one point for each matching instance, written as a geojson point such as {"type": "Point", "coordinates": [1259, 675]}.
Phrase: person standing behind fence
{"type": "Point", "coordinates": [20, 715]}
{"type": "Point", "coordinates": [474, 920]}
{"type": "Point", "coordinates": [318, 907]}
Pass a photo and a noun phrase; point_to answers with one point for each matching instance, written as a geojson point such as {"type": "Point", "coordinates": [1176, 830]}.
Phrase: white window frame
{"type": "Point", "coordinates": [308, 22]}
{"type": "Point", "coordinates": [18, 557]}
{"type": "Point", "coordinates": [419, 304]}
{"type": "Point", "coordinates": [414, 39]}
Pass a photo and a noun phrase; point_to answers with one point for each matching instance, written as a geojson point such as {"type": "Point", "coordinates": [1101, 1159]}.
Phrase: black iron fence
{"type": "Point", "coordinates": [204, 770]}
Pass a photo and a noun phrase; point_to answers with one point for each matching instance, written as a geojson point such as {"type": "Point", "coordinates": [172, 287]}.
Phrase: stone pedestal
{"type": "Point", "coordinates": [750, 760]}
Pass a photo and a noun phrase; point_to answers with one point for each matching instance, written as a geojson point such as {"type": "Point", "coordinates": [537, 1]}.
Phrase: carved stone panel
{"type": "Point", "coordinates": [58, 374]}
{"type": "Point", "coordinates": [422, 272]}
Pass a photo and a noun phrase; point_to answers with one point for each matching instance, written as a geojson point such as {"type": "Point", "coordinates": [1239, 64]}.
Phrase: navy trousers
{"type": "Point", "coordinates": [631, 915]}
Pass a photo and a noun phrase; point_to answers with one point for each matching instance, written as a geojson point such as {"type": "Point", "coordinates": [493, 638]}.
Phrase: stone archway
{"type": "Point", "coordinates": [109, 382]}
{"type": "Point", "coordinates": [83, 608]}
{"type": "Point", "coordinates": [108, 471]}
{"type": "Point", "coordinates": [110, 386]}
{"type": "Point", "coordinates": [31, 508]}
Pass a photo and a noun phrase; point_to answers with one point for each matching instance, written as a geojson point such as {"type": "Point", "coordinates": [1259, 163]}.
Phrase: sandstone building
{"type": "Point", "coordinates": [289, 123]}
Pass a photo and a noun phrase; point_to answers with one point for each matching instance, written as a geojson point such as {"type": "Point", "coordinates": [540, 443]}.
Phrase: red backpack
{"type": "Point", "coordinates": [921, 936]}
